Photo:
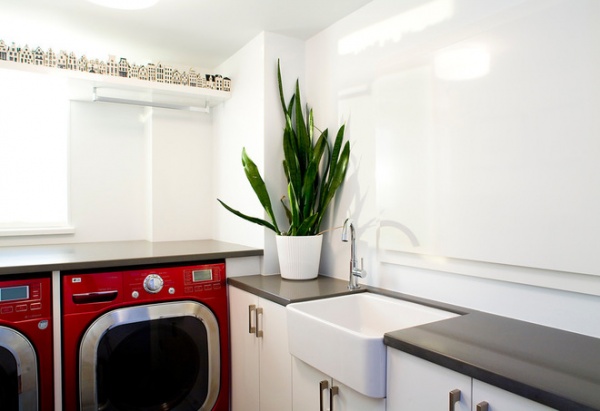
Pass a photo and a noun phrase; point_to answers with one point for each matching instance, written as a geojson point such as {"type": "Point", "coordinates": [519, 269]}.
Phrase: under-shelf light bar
{"type": "Point", "coordinates": [143, 103]}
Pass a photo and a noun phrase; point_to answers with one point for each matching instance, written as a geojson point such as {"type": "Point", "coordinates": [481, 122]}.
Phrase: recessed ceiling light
{"type": "Point", "coordinates": [125, 4]}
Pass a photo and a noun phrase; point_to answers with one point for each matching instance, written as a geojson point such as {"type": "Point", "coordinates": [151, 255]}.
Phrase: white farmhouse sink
{"type": "Point", "coordinates": [343, 336]}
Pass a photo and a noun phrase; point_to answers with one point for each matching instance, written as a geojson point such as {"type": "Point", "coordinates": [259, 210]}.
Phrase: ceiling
{"type": "Point", "coordinates": [200, 33]}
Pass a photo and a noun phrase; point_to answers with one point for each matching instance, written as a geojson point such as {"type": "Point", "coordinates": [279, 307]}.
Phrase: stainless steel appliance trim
{"type": "Point", "coordinates": [24, 353]}
{"type": "Point", "coordinates": [128, 315]}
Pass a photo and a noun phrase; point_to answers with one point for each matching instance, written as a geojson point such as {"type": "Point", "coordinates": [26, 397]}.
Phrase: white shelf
{"type": "Point", "coordinates": [95, 87]}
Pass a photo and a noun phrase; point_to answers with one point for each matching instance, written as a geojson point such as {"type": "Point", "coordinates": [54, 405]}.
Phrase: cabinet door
{"type": "Point", "coordinates": [244, 352]}
{"type": "Point", "coordinates": [500, 400]}
{"type": "Point", "coordinates": [311, 391]}
{"type": "Point", "coordinates": [348, 399]}
{"type": "Point", "coordinates": [306, 388]}
{"type": "Point", "coordinates": [414, 384]}
{"type": "Point", "coordinates": [275, 358]}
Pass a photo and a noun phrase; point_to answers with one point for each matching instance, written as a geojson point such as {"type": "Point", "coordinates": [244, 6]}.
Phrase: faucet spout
{"type": "Point", "coordinates": [355, 272]}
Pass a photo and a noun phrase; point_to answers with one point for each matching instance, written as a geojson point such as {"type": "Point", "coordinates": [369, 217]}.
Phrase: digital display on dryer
{"type": "Point", "coordinates": [202, 275]}
{"type": "Point", "coordinates": [14, 293]}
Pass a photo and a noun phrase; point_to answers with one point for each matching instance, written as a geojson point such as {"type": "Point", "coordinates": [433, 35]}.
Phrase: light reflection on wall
{"type": "Point", "coordinates": [392, 29]}
{"type": "Point", "coordinates": [462, 63]}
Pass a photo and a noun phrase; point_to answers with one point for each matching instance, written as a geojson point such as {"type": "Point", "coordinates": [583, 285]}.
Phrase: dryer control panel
{"type": "Point", "coordinates": [24, 299]}
{"type": "Point", "coordinates": [87, 292]}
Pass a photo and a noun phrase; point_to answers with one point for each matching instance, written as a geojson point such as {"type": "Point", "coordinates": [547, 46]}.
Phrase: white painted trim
{"type": "Point", "coordinates": [33, 231]}
{"type": "Point", "coordinates": [558, 280]}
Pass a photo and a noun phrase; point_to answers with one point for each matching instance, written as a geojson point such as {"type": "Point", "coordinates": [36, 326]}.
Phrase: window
{"type": "Point", "coordinates": [34, 128]}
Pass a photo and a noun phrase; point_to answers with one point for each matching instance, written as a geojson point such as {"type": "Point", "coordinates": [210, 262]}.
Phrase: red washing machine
{"type": "Point", "coordinates": [146, 339]}
{"type": "Point", "coordinates": [26, 356]}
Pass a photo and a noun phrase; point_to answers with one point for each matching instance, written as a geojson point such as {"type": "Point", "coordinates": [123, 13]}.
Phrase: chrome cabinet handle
{"type": "Point", "coordinates": [259, 332]}
{"type": "Point", "coordinates": [323, 385]}
{"type": "Point", "coordinates": [454, 398]}
{"type": "Point", "coordinates": [332, 392]}
{"type": "Point", "coordinates": [251, 329]}
{"type": "Point", "coordinates": [483, 406]}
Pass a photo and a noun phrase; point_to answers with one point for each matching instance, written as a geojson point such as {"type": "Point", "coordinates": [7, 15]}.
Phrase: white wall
{"type": "Point", "coordinates": [239, 123]}
{"type": "Point", "coordinates": [375, 70]}
{"type": "Point", "coordinates": [136, 174]}
{"type": "Point", "coordinates": [253, 119]}
{"type": "Point", "coordinates": [181, 183]}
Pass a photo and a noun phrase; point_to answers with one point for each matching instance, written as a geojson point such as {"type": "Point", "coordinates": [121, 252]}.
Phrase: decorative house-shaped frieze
{"type": "Point", "coordinates": [112, 66]}
{"type": "Point", "coordinates": [123, 67]}
{"type": "Point", "coordinates": [151, 72]}
{"type": "Point", "coordinates": [92, 66]}
{"type": "Point", "coordinates": [226, 84]}
{"type": "Point", "coordinates": [13, 53]}
{"type": "Point", "coordinates": [26, 56]}
{"type": "Point", "coordinates": [143, 73]}
{"type": "Point", "coordinates": [72, 62]}
{"type": "Point", "coordinates": [82, 64]}
{"type": "Point", "coordinates": [39, 57]}
{"type": "Point", "coordinates": [160, 73]}
{"type": "Point", "coordinates": [176, 77]}
{"type": "Point", "coordinates": [63, 60]}
{"type": "Point", "coordinates": [218, 82]}
{"type": "Point", "coordinates": [134, 71]}
{"type": "Point", "coordinates": [168, 74]}
{"type": "Point", "coordinates": [185, 79]}
{"type": "Point", "coordinates": [51, 60]}
{"type": "Point", "coordinates": [97, 66]}
{"type": "Point", "coordinates": [3, 50]}
{"type": "Point", "coordinates": [210, 81]}
{"type": "Point", "coordinates": [193, 78]}
{"type": "Point", "coordinates": [102, 67]}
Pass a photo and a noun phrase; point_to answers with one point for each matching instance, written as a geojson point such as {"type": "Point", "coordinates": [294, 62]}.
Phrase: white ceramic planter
{"type": "Point", "coordinates": [299, 257]}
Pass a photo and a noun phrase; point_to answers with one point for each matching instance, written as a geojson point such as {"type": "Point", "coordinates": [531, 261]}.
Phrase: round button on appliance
{"type": "Point", "coordinates": [135, 294]}
{"type": "Point", "coordinates": [153, 283]}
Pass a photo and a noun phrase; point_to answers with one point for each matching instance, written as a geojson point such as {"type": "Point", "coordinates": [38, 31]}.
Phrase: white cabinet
{"type": "Point", "coordinates": [314, 390]}
{"type": "Point", "coordinates": [415, 384]}
{"type": "Point", "coordinates": [261, 370]}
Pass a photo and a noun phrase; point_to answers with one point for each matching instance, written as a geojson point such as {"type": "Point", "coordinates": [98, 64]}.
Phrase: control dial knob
{"type": "Point", "coordinates": [153, 283]}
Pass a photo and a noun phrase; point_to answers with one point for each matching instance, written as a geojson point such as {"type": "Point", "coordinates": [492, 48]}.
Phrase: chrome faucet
{"type": "Point", "coordinates": [355, 272]}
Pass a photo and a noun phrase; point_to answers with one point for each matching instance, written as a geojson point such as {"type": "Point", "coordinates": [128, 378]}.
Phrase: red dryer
{"type": "Point", "coordinates": [150, 338]}
{"type": "Point", "coordinates": [26, 356]}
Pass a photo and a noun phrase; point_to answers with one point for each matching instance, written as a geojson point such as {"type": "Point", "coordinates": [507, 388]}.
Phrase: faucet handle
{"type": "Point", "coordinates": [360, 272]}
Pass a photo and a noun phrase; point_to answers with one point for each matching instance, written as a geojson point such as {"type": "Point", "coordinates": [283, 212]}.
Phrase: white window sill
{"type": "Point", "coordinates": [35, 231]}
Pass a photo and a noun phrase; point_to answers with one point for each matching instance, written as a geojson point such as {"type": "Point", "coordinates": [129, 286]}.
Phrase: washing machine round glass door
{"type": "Point", "coordinates": [154, 357]}
{"type": "Point", "coordinates": [9, 380]}
{"type": "Point", "coordinates": [18, 372]}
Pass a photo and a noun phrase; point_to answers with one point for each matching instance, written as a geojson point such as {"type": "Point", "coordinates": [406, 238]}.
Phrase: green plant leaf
{"type": "Point", "coordinates": [304, 144]}
{"type": "Point", "coordinates": [288, 212]}
{"type": "Point", "coordinates": [308, 226]}
{"type": "Point", "coordinates": [254, 220]}
{"type": "Point", "coordinates": [291, 163]}
{"type": "Point", "coordinates": [259, 187]}
{"type": "Point", "coordinates": [285, 112]}
{"type": "Point", "coordinates": [294, 210]}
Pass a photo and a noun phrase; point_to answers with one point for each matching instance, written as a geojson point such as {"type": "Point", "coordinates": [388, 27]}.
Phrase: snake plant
{"type": "Point", "coordinates": [314, 169]}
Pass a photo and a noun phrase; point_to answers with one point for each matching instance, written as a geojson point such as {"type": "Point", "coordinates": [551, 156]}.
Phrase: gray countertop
{"type": "Point", "coordinates": [60, 257]}
{"type": "Point", "coordinates": [284, 292]}
{"type": "Point", "coordinates": [554, 367]}
{"type": "Point", "coordinates": [557, 368]}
